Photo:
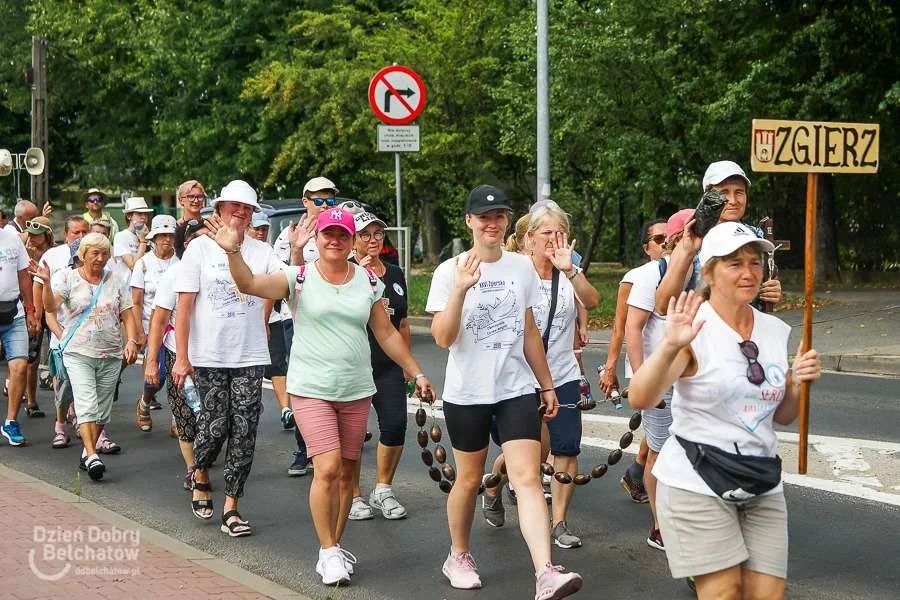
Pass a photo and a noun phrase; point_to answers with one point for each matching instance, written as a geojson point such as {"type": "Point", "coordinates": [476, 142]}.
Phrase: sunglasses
{"type": "Point", "coordinates": [366, 236]}
{"type": "Point", "coordinates": [330, 201]}
{"type": "Point", "coordinates": [755, 373]}
{"type": "Point", "coordinates": [657, 239]}
{"type": "Point", "coordinates": [95, 199]}
{"type": "Point", "coordinates": [35, 225]}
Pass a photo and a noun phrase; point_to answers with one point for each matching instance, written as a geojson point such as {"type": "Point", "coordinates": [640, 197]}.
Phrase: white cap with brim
{"type": "Point", "coordinates": [260, 219]}
{"type": "Point", "coordinates": [238, 191]}
{"type": "Point", "coordinates": [317, 184]}
{"type": "Point", "coordinates": [161, 224]}
{"type": "Point", "coordinates": [365, 219]}
{"type": "Point", "coordinates": [136, 204]}
{"type": "Point", "coordinates": [721, 170]}
{"type": "Point", "coordinates": [725, 238]}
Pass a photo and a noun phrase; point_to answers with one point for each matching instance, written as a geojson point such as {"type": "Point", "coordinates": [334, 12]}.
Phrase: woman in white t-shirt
{"type": "Point", "coordinates": [148, 270]}
{"type": "Point", "coordinates": [221, 343]}
{"type": "Point", "coordinates": [330, 372]}
{"type": "Point", "coordinates": [729, 365]}
{"type": "Point", "coordinates": [482, 304]}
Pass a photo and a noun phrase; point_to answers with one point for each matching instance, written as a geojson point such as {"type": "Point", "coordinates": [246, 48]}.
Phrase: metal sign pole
{"type": "Point", "coordinates": [808, 285]}
{"type": "Point", "coordinates": [397, 184]}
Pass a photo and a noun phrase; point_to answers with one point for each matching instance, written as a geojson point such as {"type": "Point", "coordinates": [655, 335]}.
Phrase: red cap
{"type": "Point", "coordinates": [336, 217]}
{"type": "Point", "coordinates": [676, 222]}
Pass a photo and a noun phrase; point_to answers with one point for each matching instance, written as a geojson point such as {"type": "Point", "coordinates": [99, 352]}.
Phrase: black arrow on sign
{"type": "Point", "coordinates": [387, 97]}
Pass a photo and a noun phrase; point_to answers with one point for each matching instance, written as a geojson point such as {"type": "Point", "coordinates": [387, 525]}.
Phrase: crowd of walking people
{"type": "Point", "coordinates": [212, 309]}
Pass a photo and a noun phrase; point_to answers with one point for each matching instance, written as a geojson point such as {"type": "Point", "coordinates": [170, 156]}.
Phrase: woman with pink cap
{"type": "Point", "coordinates": [330, 373]}
{"type": "Point", "coordinates": [222, 351]}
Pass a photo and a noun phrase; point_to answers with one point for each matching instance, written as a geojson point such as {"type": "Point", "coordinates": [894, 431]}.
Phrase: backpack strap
{"type": "Point", "coordinates": [298, 286]}
{"type": "Point", "coordinates": [663, 267]}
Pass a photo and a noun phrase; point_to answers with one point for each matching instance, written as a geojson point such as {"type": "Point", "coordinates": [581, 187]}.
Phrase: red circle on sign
{"type": "Point", "coordinates": [397, 95]}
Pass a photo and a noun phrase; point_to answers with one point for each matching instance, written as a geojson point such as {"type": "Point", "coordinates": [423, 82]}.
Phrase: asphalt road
{"type": "Point", "coordinates": [840, 547]}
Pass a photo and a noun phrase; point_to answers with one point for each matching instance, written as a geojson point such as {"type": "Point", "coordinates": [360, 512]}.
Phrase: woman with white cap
{"type": "Point", "coordinates": [329, 374]}
{"type": "Point", "coordinates": [389, 400]}
{"type": "Point", "coordinates": [719, 496]}
{"type": "Point", "coordinates": [482, 304]}
{"type": "Point", "coordinates": [221, 341]}
{"type": "Point", "coordinates": [130, 244]}
{"type": "Point", "coordinates": [148, 270]}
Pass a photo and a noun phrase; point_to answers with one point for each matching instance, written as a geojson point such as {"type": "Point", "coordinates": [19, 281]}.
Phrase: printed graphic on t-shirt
{"type": "Point", "coordinates": [9, 256]}
{"type": "Point", "coordinates": [226, 300]}
{"type": "Point", "coordinates": [497, 324]}
{"type": "Point", "coordinates": [753, 404]}
{"type": "Point", "coordinates": [560, 315]}
{"type": "Point", "coordinates": [386, 303]}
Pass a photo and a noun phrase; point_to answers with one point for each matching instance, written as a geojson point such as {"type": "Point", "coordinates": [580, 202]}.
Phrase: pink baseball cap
{"type": "Point", "coordinates": [336, 217]}
{"type": "Point", "coordinates": [676, 222]}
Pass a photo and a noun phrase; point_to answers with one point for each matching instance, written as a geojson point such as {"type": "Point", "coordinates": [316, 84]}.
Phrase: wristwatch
{"type": "Point", "coordinates": [574, 273]}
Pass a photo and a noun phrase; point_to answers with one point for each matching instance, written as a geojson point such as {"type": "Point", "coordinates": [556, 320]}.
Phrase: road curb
{"type": "Point", "coordinates": [184, 551]}
{"type": "Point", "coordinates": [863, 364]}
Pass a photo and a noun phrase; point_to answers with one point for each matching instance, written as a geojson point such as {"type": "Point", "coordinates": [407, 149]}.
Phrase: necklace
{"type": "Point", "coordinates": [337, 287]}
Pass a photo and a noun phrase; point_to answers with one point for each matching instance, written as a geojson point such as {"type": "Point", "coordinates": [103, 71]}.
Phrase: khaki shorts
{"type": "Point", "coordinates": [704, 534]}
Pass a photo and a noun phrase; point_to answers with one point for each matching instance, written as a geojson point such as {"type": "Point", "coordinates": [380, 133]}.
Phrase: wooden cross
{"type": "Point", "coordinates": [767, 224]}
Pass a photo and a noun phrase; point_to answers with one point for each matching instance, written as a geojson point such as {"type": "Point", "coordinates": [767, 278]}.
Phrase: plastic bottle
{"type": "Point", "coordinates": [191, 395]}
{"type": "Point", "coordinates": [587, 399]}
{"type": "Point", "coordinates": [614, 396]}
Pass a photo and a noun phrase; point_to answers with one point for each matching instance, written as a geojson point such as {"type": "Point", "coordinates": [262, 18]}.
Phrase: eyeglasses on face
{"type": "Point", "coordinates": [657, 239]}
{"type": "Point", "coordinates": [755, 372]}
{"type": "Point", "coordinates": [329, 201]}
{"type": "Point", "coordinates": [366, 236]}
{"type": "Point", "coordinates": [195, 197]}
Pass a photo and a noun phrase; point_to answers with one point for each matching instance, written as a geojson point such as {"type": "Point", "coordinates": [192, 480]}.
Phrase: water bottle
{"type": "Point", "coordinates": [191, 395]}
{"type": "Point", "coordinates": [614, 396]}
{"type": "Point", "coordinates": [587, 399]}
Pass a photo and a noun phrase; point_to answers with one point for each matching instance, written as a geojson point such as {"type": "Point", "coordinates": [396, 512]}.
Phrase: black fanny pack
{"type": "Point", "coordinates": [8, 311]}
{"type": "Point", "coordinates": [733, 477]}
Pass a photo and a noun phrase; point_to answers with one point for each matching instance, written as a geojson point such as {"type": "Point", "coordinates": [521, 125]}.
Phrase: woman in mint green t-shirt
{"type": "Point", "coordinates": [329, 376]}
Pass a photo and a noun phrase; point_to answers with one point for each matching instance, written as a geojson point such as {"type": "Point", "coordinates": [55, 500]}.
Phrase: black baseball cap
{"type": "Point", "coordinates": [485, 198]}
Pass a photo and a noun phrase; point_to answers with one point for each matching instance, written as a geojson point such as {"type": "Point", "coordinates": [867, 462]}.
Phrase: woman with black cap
{"type": "Point", "coordinates": [481, 301]}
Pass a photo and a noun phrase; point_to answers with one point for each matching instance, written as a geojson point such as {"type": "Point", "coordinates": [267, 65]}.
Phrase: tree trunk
{"type": "Point", "coordinates": [598, 226]}
{"type": "Point", "coordinates": [827, 260]}
{"type": "Point", "coordinates": [431, 236]}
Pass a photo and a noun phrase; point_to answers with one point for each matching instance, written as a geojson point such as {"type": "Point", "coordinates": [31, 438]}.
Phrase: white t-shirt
{"type": "Point", "coordinates": [12, 227]}
{"type": "Point", "coordinates": [628, 278]}
{"type": "Point", "coordinates": [560, 350]}
{"type": "Point", "coordinates": [227, 327]}
{"type": "Point", "coordinates": [100, 335]}
{"type": "Point", "coordinates": [125, 242]}
{"type": "Point", "coordinates": [146, 275]}
{"type": "Point", "coordinates": [13, 258]}
{"type": "Point", "coordinates": [283, 248]}
{"type": "Point", "coordinates": [718, 406]}
{"type": "Point", "coordinates": [487, 359]}
{"type": "Point", "coordinates": [643, 296]}
{"type": "Point", "coordinates": [165, 297]}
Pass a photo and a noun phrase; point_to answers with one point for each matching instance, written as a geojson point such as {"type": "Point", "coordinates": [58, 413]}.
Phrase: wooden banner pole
{"type": "Point", "coordinates": [808, 285]}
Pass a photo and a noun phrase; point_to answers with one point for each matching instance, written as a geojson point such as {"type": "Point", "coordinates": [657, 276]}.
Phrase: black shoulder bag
{"type": "Point", "coordinates": [733, 477]}
{"type": "Point", "coordinates": [554, 291]}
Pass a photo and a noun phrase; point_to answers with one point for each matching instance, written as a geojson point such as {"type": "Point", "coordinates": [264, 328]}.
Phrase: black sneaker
{"type": "Point", "coordinates": [300, 466]}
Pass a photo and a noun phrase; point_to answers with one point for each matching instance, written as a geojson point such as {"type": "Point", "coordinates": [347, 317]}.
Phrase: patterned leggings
{"type": "Point", "coordinates": [185, 420]}
{"type": "Point", "coordinates": [230, 406]}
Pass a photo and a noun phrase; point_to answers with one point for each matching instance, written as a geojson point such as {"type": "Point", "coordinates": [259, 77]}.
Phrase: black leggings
{"type": "Point", "coordinates": [390, 405]}
{"type": "Point", "coordinates": [230, 406]}
{"type": "Point", "coordinates": [469, 427]}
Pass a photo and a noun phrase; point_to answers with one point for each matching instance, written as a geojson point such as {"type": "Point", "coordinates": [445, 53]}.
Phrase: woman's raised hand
{"type": "Point", "coordinates": [467, 271]}
{"type": "Point", "coordinates": [560, 252]}
{"type": "Point", "coordinates": [681, 328]}
{"type": "Point", "coordinates": [228, 239]}
{"type": "Point", "coordinates": [300, 233]}
{"type": "Point", "coordinates": [41, 271]}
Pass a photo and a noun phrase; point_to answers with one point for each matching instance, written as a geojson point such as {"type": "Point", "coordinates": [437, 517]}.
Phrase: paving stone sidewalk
{"type": "Point", "coordinates": [66, 547]}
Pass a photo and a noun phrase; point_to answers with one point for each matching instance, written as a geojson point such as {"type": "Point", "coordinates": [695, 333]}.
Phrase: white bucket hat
{"type": "Point", "coordinates": [136, 204]}
{"type": "Point", "coordinates": [161, 224]}
{"type": "Point", "coordinates": [238, 191]}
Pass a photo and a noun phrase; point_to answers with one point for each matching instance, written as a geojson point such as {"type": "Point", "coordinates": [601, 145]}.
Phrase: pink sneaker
{"type": "Point", "coordinates": [462, 572]}
{"type": "Point", "coordinates": [553, 584]}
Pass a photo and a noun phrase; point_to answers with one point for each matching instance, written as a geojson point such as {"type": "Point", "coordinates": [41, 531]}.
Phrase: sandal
{"type": "Point", "coordinates": [237, 528]}
{"type": "Point", "coordinates": [34, 412]}
{"type": "Point", "coordinates": [202, 505]}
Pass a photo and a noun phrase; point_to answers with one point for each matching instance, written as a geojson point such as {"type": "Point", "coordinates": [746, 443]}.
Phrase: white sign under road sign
{"type": "Point", "coordinates": [398, 138]}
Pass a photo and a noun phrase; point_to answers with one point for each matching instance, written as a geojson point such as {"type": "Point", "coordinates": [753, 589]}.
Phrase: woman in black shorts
{"type": "Point", "coordinates": [481, 301]}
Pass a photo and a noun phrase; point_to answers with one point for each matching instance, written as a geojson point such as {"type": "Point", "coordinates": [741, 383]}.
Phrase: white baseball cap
{"type": "Point", "coordinates": [725, 238]}
{"type": "Point", "coordinates": [364, 219]}
{"type": "Point", "coordinates": [317, 184]}
{"type": "Point", "coordinates": [136, 204]}
{"type": "Point", "coordinates": [721, 170]}
{"type": "Point", "coordinates": [238, 191]}
{"type": "Point", "coordinates": [161, 224]}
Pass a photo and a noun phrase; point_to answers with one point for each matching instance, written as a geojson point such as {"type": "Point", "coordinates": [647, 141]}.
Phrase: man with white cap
{"type": "Point", "coordinates": [148, 271]}
{"type": "Point", "coordinates": [131, 244]}
{"type": "Point", "coordinates": [729, 178]}
{"type": "Point", "coordinates": [222, 350]}
{"type": "Point", "coordinates": [94, 201]}
{"type": "Point", "coordinates": [296, 245]}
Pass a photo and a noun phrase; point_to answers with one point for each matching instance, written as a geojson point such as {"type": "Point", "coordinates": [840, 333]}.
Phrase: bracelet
{"type": "Point", "coordinates": [574, 273]}
{"type": "Point", "coordinates": [131, 341]}
{"type": "Point", "coordinates": [418, 376]}
{"type": "Point", "coordinates": [547, 390]}
{"type": "Point", "coordinates": [235, 251]}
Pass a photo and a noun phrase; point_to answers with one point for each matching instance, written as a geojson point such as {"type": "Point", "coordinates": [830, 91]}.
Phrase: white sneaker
{"type": "Point", "coordinates": [360, 511]}
{"type": "Point", "coordinates": [384, 500]}
{"type": "Point", "coordinates": [349, 559]}
{"type": "Point", "coordinates": [331, 566]}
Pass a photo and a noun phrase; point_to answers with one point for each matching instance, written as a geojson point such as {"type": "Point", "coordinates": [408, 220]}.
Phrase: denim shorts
{"type": "Point", "coordinates": [565, 427]}
{"type": "Point", "coordinates": [14, 338]}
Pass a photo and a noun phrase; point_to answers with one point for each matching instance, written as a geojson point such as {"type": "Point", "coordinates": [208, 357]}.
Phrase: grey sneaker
{"type": "Point", "coordinates": [563, 538]}
{"type": "Point", "coordinates": [492, 508]}
{"type": "Point", "coordinates": [360, 511]}
{"type": "Point", "coordinates": [385, 501]}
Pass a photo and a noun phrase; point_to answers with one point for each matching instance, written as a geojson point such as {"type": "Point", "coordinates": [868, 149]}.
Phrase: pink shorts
{"type": "Point", "coordinates": [328, 426]}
